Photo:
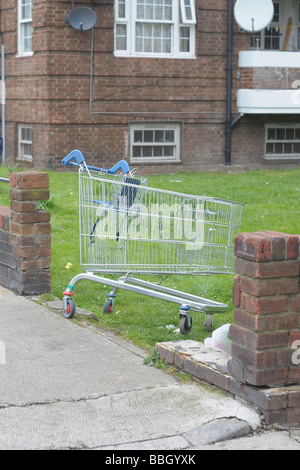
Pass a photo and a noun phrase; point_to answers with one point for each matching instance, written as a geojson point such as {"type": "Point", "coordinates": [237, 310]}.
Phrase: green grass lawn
{"type": "Point", "coordinates": [271, 202]}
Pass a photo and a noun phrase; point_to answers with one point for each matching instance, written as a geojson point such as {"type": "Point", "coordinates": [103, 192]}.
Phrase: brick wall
{"type": "Point", "coordinates": [267, 313]}
{"type": "Point", "coordinates": [50, 90]}
{"type": "Point", "coordinates": [248, 139]}
{"type": "Point", "coordinates": [25, 235]}
{"type": "Point", "coordinates": [265, 366]}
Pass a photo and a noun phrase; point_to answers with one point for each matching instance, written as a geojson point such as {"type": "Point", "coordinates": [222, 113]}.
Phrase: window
{"type": "Point", "coordinates": [24, 27]}
{"type": "Point", "coordinates": [155, 28]}
{"type": "Point", "coordinates": [272, 33]}
{"type": "Point", "coordinates": [154, 142]}
{"type": "Point", "coordinates": [282, 142]}
{"type": "Point", "coordinates": [25, 142]}
{"type": "Point", "coordinates": [269, 39]}
{"type": "Point", "coordinates": [187, 9]}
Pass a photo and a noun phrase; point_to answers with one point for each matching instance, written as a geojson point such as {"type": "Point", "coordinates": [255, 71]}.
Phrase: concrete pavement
{"type": "Point", "coordinates": [66, 386]}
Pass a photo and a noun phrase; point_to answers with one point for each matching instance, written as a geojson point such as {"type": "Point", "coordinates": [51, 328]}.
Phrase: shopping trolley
{"type": "Point", "coordinates": [130, 229]}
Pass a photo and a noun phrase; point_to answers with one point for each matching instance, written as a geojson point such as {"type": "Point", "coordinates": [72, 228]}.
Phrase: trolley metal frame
{"type": "Point", "coordinates": [130, 229]}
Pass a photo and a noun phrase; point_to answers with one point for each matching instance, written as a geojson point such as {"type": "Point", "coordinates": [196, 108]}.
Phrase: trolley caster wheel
{"type": "Point", "coordinates": [109, 305]}
{"type": "Point", "coordinates": [208, 322]}
{"type": "Point", "coordinates": [185, 325]}
{"type": "Point", "coordinates": [69, 307]}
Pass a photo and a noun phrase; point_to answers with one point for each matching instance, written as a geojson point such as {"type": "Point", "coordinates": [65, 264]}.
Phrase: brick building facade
{"type": "Point", "coordinates": [148, 83]}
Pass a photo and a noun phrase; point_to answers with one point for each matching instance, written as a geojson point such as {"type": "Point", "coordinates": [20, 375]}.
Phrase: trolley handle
{"type": "Point", "coordinates": [77, 155]}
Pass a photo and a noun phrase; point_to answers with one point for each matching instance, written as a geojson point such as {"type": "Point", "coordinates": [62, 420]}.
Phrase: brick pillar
{"type": "Point", "coordinates": [267, 314]}
{"type": "Point", "coordinates": [30, 231]}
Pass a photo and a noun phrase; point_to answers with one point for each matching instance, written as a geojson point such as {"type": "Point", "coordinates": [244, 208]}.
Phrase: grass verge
{"type": "Point", "coordinates": [271, 202]}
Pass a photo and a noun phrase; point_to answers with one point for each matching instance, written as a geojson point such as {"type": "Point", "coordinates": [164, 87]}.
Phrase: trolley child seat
{"type": "Point", "coordinates": [130, 229]}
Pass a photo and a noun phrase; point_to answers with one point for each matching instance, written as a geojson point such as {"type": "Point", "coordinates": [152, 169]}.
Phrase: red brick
{"type": "Point", "coordinates": [258, 287]}
{"type": "Point", "coordinates": [165, 352]}
{"type": "Point", "coordinates": [294, 336]}
{"type": "Point", "coordinates": [278, 249]}
{"type": "Point", "coordinates": [293, 246]}
{"type": "Point", "coordinates": [278, 244]}
{"type": "Point", "coordinates": [288, 286]}
{"type": "Point", "coordinates": [264, 305]}
{"type": "Point", "coordinates": [45, 240]}
{"type": "Point", "coordinates": [276, 399]}
{"type": "Point", "coordinates": [293, 416]}
{"type": "Point", "coordinates": [294, 398]}
{"type": "Point", "coordinates": [29, 194]}
{"type": "Point", "coordinates": [239, 266]}
{"type": "Point", "coordinates": [275, 417]}
{"type": "Point", "coordinates": [36, 264]}
{"type": "Point", "coordinates": [25, 252]}
{"type": "Point", "coordinates": [4, 210]}
{"type": "Point", "coordinates": [250, 357]}
{"type": "Point", "coordinates": [237, 334]}
{"type": "Point", "coordinates": [288, 321]}
{"type": "Point", "coordinates": [255, 322]}
{"type": "Point", "coordinates": [267, 377]}
{"type": "Point", "coordinates": [218, 379]}
{"type": "Point", "coordinates": [284, 356]}
{"type": "Point", "coordinates": [18, 206]}
{"type": "Point", "coordinates": [179, 360]}
{"type": "Point", "coordinates": [20, 240]}
{"type": "Point", "coordinates": [43, 216]}
{"type": "Point", "coordinates": [275, 339]}
{"type": "Point", "coordinates": [12, 180]}
{"type": "Point", "coordinates": [31, 180]}
{"type": "Point", "coordinates": [258, 341]}
{"type": "Point", "coordinates": [44, 228]}
{"type": "Point", "coordinates": [295, 303]}
{"type": "Point", "coordinates": [24, 217]}
{"type": "Point", "coordinates": [196, 369]}
{"type": "Point", "coordinates": [252, 247]}
{"type": "Point", "coordinates": [294, 375]}
{"type": "Point", "coordinates": [236, 294]}
{"type": "Point", "coordinates": [274, 269]}
{"type": "Point", "coordinates": [44, 251]}
{"type": "Point", "coordinates": [5, 216]}
{"type": "Point", "coordinates": [22, 229]}
{"type": "Point", "coordinates": [236, 369]}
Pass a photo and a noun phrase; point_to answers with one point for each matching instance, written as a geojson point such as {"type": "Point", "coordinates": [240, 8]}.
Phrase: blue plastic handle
{"type": "Point", "coordinates": [77, 155]}
{"type": "Point", "coordinates": [121, 165]}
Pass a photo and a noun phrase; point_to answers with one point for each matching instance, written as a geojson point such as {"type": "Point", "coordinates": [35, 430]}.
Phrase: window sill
{"type": "Point", "coordinates": [26, 54]}
{"type": "Point", "coordinates": [154, 56]}
{"type": "Point", "coordinates": [24, 159]}
{"type": "Point", "coordinates": [153, 161]}
{"type": "Point", "coordinates": [281, 158]}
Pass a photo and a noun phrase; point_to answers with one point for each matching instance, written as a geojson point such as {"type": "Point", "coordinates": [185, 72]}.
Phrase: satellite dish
{"type": "Point", "coordinates": [253, 15]}
{"type": "Point", "coordinates": [82, 18]}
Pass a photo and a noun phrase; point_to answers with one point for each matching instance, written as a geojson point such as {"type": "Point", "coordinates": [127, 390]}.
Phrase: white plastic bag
{"type": "Point", "coordinates": [220, 340]}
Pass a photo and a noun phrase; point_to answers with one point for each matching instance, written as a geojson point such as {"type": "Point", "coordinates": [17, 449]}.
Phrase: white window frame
{"type": "Point", "coordinates": [21, 26]}
{"type": "Point", "coordinates": [258, 39]}
{"type": "Point", "coordinates": [281, 156]}
{"type": "Point", "coordinates": [128, 21]}
{"type": "Point", "coordinates": [22, 142]}
{"type": "Point", "coordinates": [143, 126]}
{"type": "Point", "coordinates": [186, 5]}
